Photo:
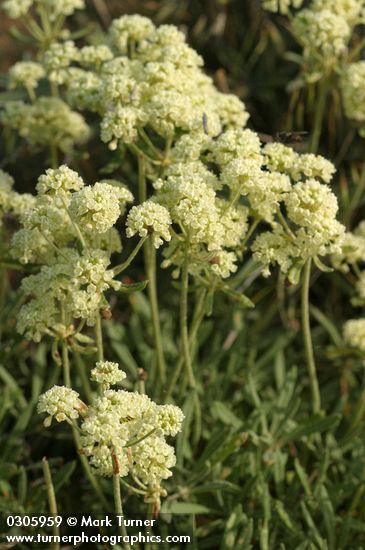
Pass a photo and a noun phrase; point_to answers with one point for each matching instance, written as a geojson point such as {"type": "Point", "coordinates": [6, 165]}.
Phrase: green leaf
{"type": "Point", "coordinates": [222, 412]}
{"type": "Point", "coordinates": [284, 516]}
{"type": "Point", "coordinates": [12, 385]}
{"type": "Point", "coordinates": [185, 508]}
{"type": "Point", "coordinates": [8, 470]}
{"type": "Point", "coordinates": [322, 266]}
{"type": "Point", "coordinates": [63, 475]}
{"type": "Point", "coordinates": [220, 485]}
{"type": "Point", "coordinates": [315, 424]}
{"type": "Point", "coordinates": [242, 299]}
{"type": "Point", "coordinates": [133, 287]}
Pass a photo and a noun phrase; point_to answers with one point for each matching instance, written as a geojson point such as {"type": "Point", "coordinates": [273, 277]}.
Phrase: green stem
{"type": "Point", "coordinates": [87, 470]}
{"type": "Point", "coordinates": [142, 187]}
{"type": "Point", "coordinates": [133, 442]}
{"type": "Point", "coordinates": [150, 266]}
{"type": "Point", "coordinates": [184, 324]}
{"type": "Point", "coordinates": [141, 381]}
{"type": "Point", "coordinates": [75, 226]}
{"type": "Point", "coordinates": [54, 155]}
{"type": "Point", "coordinates": [318, 116]}
{"type": "Point", "coordinates": [122, 267]}
{"type": "Point", "coordinates": [66, 365]}
{"type": "Point", "coordinates": [75, 433]}
{"type": "Point", "coordinates": [195, 325]}
{"type": "Point", "coordinates": [316, 398]}
{"type": "Point", "coordinates": [34, 29]}
{"type": "Point", "coordinates": [51, 500]}
{"type": "Point", "coordinates": [3, 282]}
{"type": "Point", "coordinates": [81, 369]}
{"type": "Point", "coordinates": [359, 189]}
{"type": "Point", "coordinates": [99, 338]}
{"type": "Point", "coordinates": [119, 508]}
{"type": "Point", "coordinates": [139, 153]}
{"type": "Point", "coordinates": [150, 259]}
{"type": "Point", "coordinates": [148, 142]}
{"type": "Point", "coordinates": [31, 94]}
{"type": "Point", "coordinates": [255, 223]}
{"type": "Point", "coordinates": [285, 225]}
{"type": "Point", "coordinates": [148, 545]}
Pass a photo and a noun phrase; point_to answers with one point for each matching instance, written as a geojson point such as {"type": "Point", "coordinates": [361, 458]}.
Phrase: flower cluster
{"type": "Point", "coordinates": [60, 403]}
{"type": "Point", "coordinates": [56, 8]}
{"type": "Point", "coordinates": [354, 333]}
{"type": "Point", "coordinates": [12, 202]}
{"type": "Point", "coordinates": [353, 257]}
{"type": "Point", "coordinates": [353, 250]}
{"type": "Point", "coordinates": [48, 121]}
{"type": "Point", "coordinates": [215, 188]}
{"type": "Point", "coordinates": [281, 6]}
{"type": "Point", "coordinates": [58, 58]}
{"type": "Point", "coordinates": [149, 217]}
{"type": "Point", "coordinates": [352, 88]}
{"type": "Point", "coordinates": [97, 208]}
{"type": "Point", "coordinates": [107, 374]}
{"type": "Point", "coordinates": [121, 432]}
{"type": "Point", "coordinates": [151, 79]}
{"type": "Point", "coordinates": [72, 279]}
{"type": "Point", "coordinates": [324, 30]}
{"type": "Point", "coordinates": [26, 74]}
{"type": "Point", "coordinates": [323, 34]}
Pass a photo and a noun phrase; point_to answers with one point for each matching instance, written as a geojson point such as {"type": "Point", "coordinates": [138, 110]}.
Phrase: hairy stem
{"type": "Point", "coordinates": [118, 507]}
{"type": "Point", "coordinates": [312, 372]}
{"type": "Point", "coordinates": [184, 324]}
{"type": "Point", "coordinates": [142, 187]}
{"type": "Point", "coordinates": [120, 268]}
{"type": "Point", "coordinates": [99, 338]}
{"type": "Point", "coordinates": [318, 116]}
{"type": "Point", "coordinates": [150, 258]}
{"type": "Point", "coordinates": [81, 369]}
{"type": "Point", "coordinates": [150, 266]}
{"type": "Point", "coordinates": [76, 435]}
{"type": "Point", "coordinates": [66, 365]}
{"type": "Point", "coordinates": [195, 325]}
{"type": "Point", "coordinates": [52, 502]}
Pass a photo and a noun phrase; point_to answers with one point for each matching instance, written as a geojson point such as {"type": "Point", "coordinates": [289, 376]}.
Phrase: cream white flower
{"type": "Point", "coordinates": [223, 264]}
{"type": "Point", "coordinates": [94, 56]}
{"type": "Point", "coordinates": [153, 460]}
{"type": "Point", "coordinates": [58, 8]}
{"type": "Point", "coordinates": [281, 158]}
{"type": "Point", "coordinates": [96, 208]}
{"type": "Point", "coordinates": [354, 333]}
{"type": "Point", "coordinates": [60, 179]}
{"type": "Point", "coordinates": [61, 403]}
{"type": "Point", "coordinates": [281, 6]}
{"type": "Point", "coordinates": [353, 251]}
{"type": "Point", "coordinates": [122, 123]}
{"type": "Point", "coordinates": [350, 10]}
{"type": "Point", "coordinates": [353, 90]}
{"type": "Point", "coordinates": [48, 120]}
{"type": "Point", "coordinates": [360, 289]}
{"type": "Point", "coordinates": [17, 8]}
{"type": "Point", "coordinates": [323, 33]}
{"type": "Point", "coordinates": [311, 204]}
{"type": "Point", "coordinates": [26, 74]}
{"type": "Point", "coordinates": [58, 58]}
{"type": "Point", "coordinates": [130, 30]}
{"type": "Point", "coordinates": [316, 166]}
{"type": "Point", "coordinates": [107, 373]}
{"type": "Point", "coordinates": [170, 419]}
{"type": "Point", "coordinates": [149, 218]}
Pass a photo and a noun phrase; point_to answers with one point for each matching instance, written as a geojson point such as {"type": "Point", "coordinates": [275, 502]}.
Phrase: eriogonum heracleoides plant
{"type": "Point", "coordinates": [208, 194]}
